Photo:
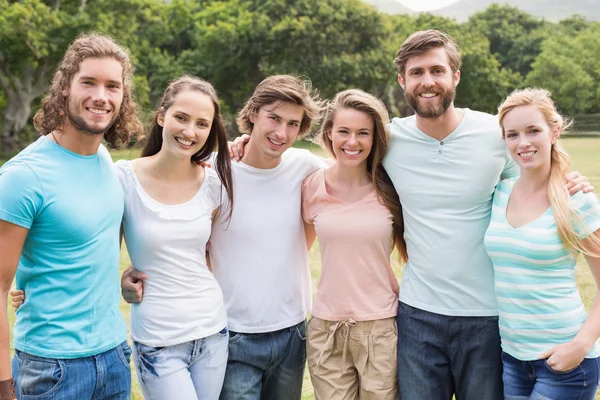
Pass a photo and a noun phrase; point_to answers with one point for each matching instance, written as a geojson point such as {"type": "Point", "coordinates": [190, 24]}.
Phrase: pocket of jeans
{"type": "Point", "coordinates": [301, 331]}
{"type": "Point", "coordinates": [234, 336]}
{"type": "Point", "coordinates": [405, 309]}
{"type": "Point", "coordinates": [149, 351]}
{"type": "Point", "coordinates": [124, 352]}
{"type": "Point", "coordinates": [40, 378]}
{"type": "Point", "coordinates": [560, 372]}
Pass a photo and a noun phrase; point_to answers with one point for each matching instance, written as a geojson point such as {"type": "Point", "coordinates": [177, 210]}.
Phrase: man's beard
{"type": "Point", "coordinates": [431, 110]}
{"type": "Point", "coordinates": [79, 123]}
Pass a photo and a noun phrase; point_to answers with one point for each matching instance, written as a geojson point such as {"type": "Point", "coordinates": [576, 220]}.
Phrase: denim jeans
{"type": "Point", "coordinates": [188, 371]}
{"type": "Point", "coordinates": [440, 355]}
{"type": "Point", "coordinates": [101, 377]}
{"type": "Point", "coordinates": [267, 366]}
{"type": "Point", "coordinates": [535, 380]}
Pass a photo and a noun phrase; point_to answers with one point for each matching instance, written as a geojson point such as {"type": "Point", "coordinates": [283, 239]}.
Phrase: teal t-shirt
{"type": "Point", "coordinates": [538, 300]}
{"type": "Point", "coordinates": [446, 190]}
{"type": "Point", "coordinates": [69, 266]}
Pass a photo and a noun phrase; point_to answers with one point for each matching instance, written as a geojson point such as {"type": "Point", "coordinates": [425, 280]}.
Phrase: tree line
{"type": "Point", "coordinates": [339, 44]}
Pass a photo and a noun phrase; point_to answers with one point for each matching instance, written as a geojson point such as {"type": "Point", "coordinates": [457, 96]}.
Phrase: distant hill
{"type": "Point", "coordinates": [389, 6]}
{"type": "Point", "coordinates": [553, 10]}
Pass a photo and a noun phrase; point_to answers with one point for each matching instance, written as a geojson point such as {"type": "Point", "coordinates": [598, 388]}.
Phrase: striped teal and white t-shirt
{"type": "Point", "coordinates": [538, 302]}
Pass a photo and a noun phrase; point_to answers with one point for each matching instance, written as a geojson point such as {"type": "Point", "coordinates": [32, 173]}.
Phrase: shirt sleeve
{"type": "Point", "coordinates": [587, 209]}
{"type": "Point", "coordinates": [216, 190]}
{"type": "Point", "coordinates": [317, 162]}
{"type": "Point", "coordinates": [308, 197]}
{"type": "Point", "coordinates": [21, 195]}
{"type": "Point", "coordinates": [511, 169]}
{"type": "Point", "coordinates": [120, 168]}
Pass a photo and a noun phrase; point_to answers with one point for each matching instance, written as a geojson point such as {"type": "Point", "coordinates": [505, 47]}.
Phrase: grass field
{"type": "Point", "coordinates": [585, 158]}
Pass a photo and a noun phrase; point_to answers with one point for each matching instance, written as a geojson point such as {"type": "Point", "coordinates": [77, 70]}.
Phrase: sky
{"type": "Point", "coordinates": [426, 5]}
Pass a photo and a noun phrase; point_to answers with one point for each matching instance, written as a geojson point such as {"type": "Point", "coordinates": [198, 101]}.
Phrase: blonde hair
{"type": "Point", "coordinates": [358, 100]}
{"type": "Point", "coordinates": [278, 88]}
{"type": "Point", "coordinates": [566, 217]}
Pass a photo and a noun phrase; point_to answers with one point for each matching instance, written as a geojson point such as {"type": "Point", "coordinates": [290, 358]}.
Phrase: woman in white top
{"type": "Point", "coordinates": [179, 329]}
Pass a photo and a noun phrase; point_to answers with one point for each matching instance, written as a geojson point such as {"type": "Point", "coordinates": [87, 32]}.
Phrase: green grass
{"type": "Point", "coordinates": [584, 153]}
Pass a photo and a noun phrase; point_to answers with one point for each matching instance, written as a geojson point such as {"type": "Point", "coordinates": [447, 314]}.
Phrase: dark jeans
{"type": "Point", "coordinates": [535, 380]}
{"type": "Point", "coordinates": [440, 355]}
{"type": "Point", "coordinates": [101, 377]}
{"type": "Point", "coordinates": [266, 366]}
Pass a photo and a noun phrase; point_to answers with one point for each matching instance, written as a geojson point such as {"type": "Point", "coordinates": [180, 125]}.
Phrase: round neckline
{"type": "Point", "coordinates": [72, 153]}
{"type": "Point", "coordinates": [140, 189]}
{"type": "Point", "coordinates": [324, 183]}
{"type": "Point", "coordinates": [450, 136]}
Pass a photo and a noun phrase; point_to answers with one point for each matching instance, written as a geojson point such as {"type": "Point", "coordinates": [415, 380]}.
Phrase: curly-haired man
{"type": "Point", "coordinates": [60, 213]}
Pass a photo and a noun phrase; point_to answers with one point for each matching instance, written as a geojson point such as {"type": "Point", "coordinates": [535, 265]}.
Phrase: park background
{"type": "Point", "coordinates": [337, 43]}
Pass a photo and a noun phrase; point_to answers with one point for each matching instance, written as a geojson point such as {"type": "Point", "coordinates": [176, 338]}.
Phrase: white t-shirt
{"type": "Point", "coordinates": [182, 300]}
{"type": "Point", "coordinates": [259, 256]}
{"type": "Point", "coordinates": [446, 190]}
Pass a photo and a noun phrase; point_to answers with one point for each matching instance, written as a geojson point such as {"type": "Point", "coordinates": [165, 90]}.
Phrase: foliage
{"type": "Point", "coordinates": [337, 43]}
{"type": "Point", "coordinates": [566, 66]}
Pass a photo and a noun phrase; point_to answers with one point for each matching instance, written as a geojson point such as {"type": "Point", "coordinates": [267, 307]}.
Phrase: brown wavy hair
{"type": "Point", "coordinates": [278, 88]}
{"type": "Point", "coordinates": [358, 100]}
{"type": "Point", "coordinates": [217, 137]}
{"type": "Point", "coordinates": [567, 218]}
{"type": "Point", "coordinates": [53, 111]}
{"type": "Point", "coordinates": [422, 41]}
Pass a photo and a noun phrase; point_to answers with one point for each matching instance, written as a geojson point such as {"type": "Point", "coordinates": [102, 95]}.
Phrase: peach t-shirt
{"type": "Point", "coordinates": [355, 239]}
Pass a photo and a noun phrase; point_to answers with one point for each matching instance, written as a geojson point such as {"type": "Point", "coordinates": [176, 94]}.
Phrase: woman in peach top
{"type": "Point", "coordinates": [355, 211]}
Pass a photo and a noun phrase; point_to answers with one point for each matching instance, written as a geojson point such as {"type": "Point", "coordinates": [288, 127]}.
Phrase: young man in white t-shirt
{"type": "Point", "coordinates": [259, 255]}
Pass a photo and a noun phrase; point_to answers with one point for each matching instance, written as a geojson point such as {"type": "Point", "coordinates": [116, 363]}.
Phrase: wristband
{"type": "Point", "coordinates": [7, 389]}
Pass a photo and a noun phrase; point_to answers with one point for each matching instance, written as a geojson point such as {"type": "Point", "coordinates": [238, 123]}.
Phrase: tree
{"type": "Point", "coordinates": [29, 45]}
{"type": "Point", "coordinates": [515, 37]}
{"type": "Point", "coordinates": [337, 43]}
{"type": "Point", "coordinates": [558, 69]}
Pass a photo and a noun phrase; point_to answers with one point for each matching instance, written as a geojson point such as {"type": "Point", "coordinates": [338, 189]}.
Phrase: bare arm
{"type": "Point", "coordinates": [215, 215]}
{"type": "Point", "coordinates": [12, 238]}
{"type": "Point", "coordinates": [567, 356]}
{"type": "Point", "coordinates": [311, 235]}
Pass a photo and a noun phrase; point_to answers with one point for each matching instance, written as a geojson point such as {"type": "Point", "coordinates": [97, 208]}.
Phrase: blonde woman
{"type": "Point", "coordinates": [550, 345]}
{"type": "Point", "coordinates": [355, 211]}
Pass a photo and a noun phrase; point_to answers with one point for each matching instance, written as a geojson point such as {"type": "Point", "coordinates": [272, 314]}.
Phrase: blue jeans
{"type": "Point", "coordinates": [187, 371]}
{"type": "Point", "coordinates": [267, 366]}
{"type": "Point", "coordinates": [535, 380]}
{"type": "Point", "coordinates": [101, 377]}
{"type": "Point", "coordinates": [440, 355]}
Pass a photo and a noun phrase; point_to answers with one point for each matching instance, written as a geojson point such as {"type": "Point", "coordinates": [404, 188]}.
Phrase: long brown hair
{"type": "Point", "coordinates": [217, 137]}
{"type": "Point", "coordinates": [358, 100]}
{"type": "Point", "coordinates": [53, 111]}
{"type": "Point", "coordinates": [565, 215]}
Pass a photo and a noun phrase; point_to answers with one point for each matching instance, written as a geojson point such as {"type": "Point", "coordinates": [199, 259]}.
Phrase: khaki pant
{"type": "Point", "coordinates": [350, 360]}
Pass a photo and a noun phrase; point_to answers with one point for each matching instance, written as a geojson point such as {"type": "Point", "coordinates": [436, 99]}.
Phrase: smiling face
{"type": "Point", "coordinates": [95, 95]}
{"type": "Point", "coordinates": [186, 123]}
{"type": "Point", "coordinates": [352, 137]}
{"type": "Point", "coordinates": [275, 128]}
{"type": "Point", "coordinates": [429, 83]}
{"type": "Point", "coordinates": [528, 137]}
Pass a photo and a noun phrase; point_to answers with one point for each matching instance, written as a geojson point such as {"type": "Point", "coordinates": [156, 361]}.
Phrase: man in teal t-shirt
{"type": "Point", "coordinates": [61, 207]}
